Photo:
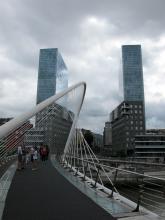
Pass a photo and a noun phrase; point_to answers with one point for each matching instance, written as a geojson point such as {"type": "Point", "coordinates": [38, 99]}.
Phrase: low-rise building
{"type": "Point", "coordinates": [150, 147]}
{"type": "Point", "coordinates": [127, 120]}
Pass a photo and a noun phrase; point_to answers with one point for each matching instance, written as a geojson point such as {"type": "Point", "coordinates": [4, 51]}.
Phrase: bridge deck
{"type": "Point", "coordinates": [44, 194]}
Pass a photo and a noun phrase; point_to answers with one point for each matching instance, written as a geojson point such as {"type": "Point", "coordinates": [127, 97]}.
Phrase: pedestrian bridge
{"type": "Point", "coordinates": [73, 183]}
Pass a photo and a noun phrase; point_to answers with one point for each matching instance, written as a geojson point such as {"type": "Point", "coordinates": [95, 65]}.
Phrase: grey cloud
{"type": "Point", "coordinates": [156, 109]}
{"type": "Point", "coordinates": [27, 26]}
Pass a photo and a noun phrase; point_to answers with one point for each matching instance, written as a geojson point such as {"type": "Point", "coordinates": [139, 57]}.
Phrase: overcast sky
{"type": "Point", "coordinates": [89, 35]}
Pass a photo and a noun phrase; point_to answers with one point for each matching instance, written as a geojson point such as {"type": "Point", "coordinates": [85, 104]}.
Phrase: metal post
{"type": "Point", "coordinates": [97, 175]}
{"type": "Point", "coordinates": [76, 172]}
{"type": "Point", "coordinates": [66, 163]}
{"type": "Point", "coordinates": [141, 187]}
{"type": "Point", "coordinates": [114, 183]}
{"type": "Point", "coordinates": [71, 170]}
{"type": "Point", "coordinates": [85, 170]}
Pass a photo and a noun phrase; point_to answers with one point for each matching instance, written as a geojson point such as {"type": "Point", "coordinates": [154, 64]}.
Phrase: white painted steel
{"type": "Point", "coordinates": [10, 126]}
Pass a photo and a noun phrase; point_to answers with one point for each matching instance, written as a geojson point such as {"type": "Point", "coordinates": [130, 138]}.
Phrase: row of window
{"type": "Point", "coordinates": [136, 122]}
{"type": "Point", "coordinates": [135, 117]}
{"type": "Point", "coordinates": [134, 128]}
{"type": "Point", "coordinates": [136, 106]}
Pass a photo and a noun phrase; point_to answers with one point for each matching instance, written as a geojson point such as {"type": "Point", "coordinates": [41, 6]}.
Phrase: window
{"type": "Point", "coordinates": [135, 111]}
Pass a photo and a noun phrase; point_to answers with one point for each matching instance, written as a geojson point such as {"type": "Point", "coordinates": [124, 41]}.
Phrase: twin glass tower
{"type": "Point", "coordinates": [52, 74]}
{"type": "Point", "coordinates": [132, 73]}
{"type": "Point", "coordinates": [128, 118]}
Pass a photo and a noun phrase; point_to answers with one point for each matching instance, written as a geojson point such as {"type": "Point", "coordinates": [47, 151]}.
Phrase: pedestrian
{"type": "Point", "coordinates": [19, 153]}
{"type": "Point", "coordinates": [47, 152]}
{"type": "Point", "coordinates": [44, 153]}
{"type": "Point", "coordinates": [31, 154]}
{"type": "Point", "coordinates": [27, 155]}
{"type": "Point", "coordinates": [40, 151]}
{"type": "Point", "coordinates": [23, 158]}
{"type": "Point", "coordinates": [35, 159]}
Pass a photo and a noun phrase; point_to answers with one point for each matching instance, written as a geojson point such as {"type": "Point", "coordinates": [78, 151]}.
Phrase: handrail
{"type": "Point", "coordinates": [127, 171]}
{"type": "Point", "coordinates": [132, 162]}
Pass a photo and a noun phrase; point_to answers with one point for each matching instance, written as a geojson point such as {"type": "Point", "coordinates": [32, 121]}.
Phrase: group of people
{"type": "Point", "coordinates": [32, 154]}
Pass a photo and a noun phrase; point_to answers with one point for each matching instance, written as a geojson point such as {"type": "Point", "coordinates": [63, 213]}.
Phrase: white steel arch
{"type": "Point", "coordinates": [13, 124]}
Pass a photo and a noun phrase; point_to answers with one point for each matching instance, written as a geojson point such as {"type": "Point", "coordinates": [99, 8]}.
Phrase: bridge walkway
{"type": "Point", "coordinates": [44, 194]}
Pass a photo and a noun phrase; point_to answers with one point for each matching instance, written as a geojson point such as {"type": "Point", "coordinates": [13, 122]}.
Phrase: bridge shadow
{"type": "Point", "coordinates": [44, 194]}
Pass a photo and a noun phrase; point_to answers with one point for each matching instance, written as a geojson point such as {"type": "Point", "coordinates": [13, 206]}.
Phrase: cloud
{"type": "Point", "coordinates": [89, 35]}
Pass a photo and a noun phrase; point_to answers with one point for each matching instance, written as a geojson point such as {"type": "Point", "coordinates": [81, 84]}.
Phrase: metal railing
{"type": "Point", "coordinates": [145, 190]}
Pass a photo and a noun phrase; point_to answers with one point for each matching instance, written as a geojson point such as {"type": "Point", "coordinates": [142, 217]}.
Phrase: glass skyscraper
{"type": "Point", "coordinates": [128, 119]}
{"type": "Point", "coordinates": [132, 73]}
{"type": "Point", "coordinates": [52, 74]}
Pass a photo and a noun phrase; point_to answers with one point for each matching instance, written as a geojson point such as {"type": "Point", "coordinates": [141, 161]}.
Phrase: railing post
{"type": "Point", "coordinates": [114, 183]}
{"type": "Point", "coordinates": [77, 167]}
{"type": "Point", "coordinates": [85, 170]}
{"type": "Point", "coordinates": [76, 172]}
{"type": "Point", "coordinates": [66, 163]}
{"type": "Point", "coordinates": [141, 190]}
{"type": "Point", "coordinates": [97, 175]}
{"type": "Point", "coordinates": [70, 170]}
{"type": "Point", "coordinates": [63, 162]}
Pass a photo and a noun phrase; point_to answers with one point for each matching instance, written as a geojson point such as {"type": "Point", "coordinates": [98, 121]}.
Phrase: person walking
{"type": "Point", "coordinates": [23, 163]}
{"type": "Point", "coordinates": [43, 153]}
{"type": "Point", "coordinates": [19, 153]}
{"type": "Point", "coordinates": [47, 152]}
{"type": "Point", "coordinates": [40, 151]}
{"type": "Point", "coordinates": [35, 160]}
{"type": "Point", "coordinates": [31, 154]}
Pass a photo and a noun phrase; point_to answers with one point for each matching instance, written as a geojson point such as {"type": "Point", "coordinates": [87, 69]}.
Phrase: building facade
{"type": "Point", "coordinates": [52, 74]}
{"type": "Point", "coordinates": [150, 147]}
{"type": "Point", "coordinates": [128, 119]}
{"type": "Point", "coordinates": [14, 139]}
{"type": "Point", "coordinates": [34, 137]}
{"type": "Point", "coordinates": [97, 140]}
{"type": "Point", "coordinates": [132, 73]}
{"type": "Point", "coordinates": [53, 124]}
{"type": "Point", "coordinates": [107, 134]}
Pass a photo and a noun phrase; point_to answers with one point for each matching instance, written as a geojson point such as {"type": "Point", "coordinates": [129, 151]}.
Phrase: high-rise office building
{"type": "Point", "coordinates": [128, 119]}
{"type": "Point", "coordinates": [132, 73]}
{"type": "Point", "coordinates": [52, 78]}
{"type": "Point", "coordinates": [52, 74]}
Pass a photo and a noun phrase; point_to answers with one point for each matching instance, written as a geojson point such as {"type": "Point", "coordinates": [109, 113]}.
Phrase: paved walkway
{"type": "Point", "coordinates": [45, 194]}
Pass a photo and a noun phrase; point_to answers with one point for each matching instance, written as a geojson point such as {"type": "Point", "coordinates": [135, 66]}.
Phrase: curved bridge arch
{"type": "Point", "coordinates": [15, 123]}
